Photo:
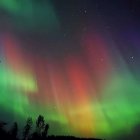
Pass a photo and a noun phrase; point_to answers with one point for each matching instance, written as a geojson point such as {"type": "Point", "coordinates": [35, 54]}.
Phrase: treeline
{"type": "Point", "coordinates": [40, 132]}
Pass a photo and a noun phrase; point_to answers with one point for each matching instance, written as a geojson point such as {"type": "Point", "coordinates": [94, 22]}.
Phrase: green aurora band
{"type": "Point", "coordinates": [30, 14]}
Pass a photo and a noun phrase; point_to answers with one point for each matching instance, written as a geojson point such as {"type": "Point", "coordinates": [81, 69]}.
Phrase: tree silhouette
{"type": "Point", "coordinates": [14, 130]}
{"type": "Point", "coordinates": [41, 132]}
{"type": "Point", "coordinates": [45, 132]}
{"type": "Point", "coordinates": [27, 128]}
{"type": "Point", "coordinates": [40, 124]}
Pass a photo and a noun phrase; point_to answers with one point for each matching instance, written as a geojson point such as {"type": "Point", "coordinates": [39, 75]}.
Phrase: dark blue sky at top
{"type": "Point", "coordinates": [117, 20]}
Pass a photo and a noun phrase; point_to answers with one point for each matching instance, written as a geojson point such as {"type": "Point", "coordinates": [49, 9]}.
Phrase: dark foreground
{"type": "Point", "coordinates": [70, 137]}
{"type": "Point", "coordinates": [40, 132]}
{"type": "Point", "coordinates": [7, 137]}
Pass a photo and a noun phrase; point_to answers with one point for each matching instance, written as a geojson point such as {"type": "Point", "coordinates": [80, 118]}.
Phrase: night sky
{"type": "Point", "coordinates": [76, 62]}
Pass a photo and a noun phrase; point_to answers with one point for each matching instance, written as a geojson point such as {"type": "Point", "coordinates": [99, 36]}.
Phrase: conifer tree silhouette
{"type": "Point", "coordinates": [27, 128]}
{"type": "Point", "coordinates": [45, 132]}
{"type": "Point", "coordinates": [40, 124]}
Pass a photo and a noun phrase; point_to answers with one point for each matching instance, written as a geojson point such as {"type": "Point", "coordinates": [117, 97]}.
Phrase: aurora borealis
{"type": "Point", "coordinates": [76, 62]}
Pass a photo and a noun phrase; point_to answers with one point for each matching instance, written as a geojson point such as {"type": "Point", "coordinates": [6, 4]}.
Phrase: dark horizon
{"type": "Point", "coordinates": [29, 132]}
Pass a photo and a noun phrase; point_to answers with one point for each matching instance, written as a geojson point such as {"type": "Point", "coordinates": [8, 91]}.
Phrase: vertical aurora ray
{"type": "Point", "coordinates": [80, 83]}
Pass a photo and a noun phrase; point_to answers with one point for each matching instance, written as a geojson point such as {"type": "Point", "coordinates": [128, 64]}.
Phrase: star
{"type": "Point", "coordinates": [132, 57]}
{"type": "Point", "coordinates": [85, 11]}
